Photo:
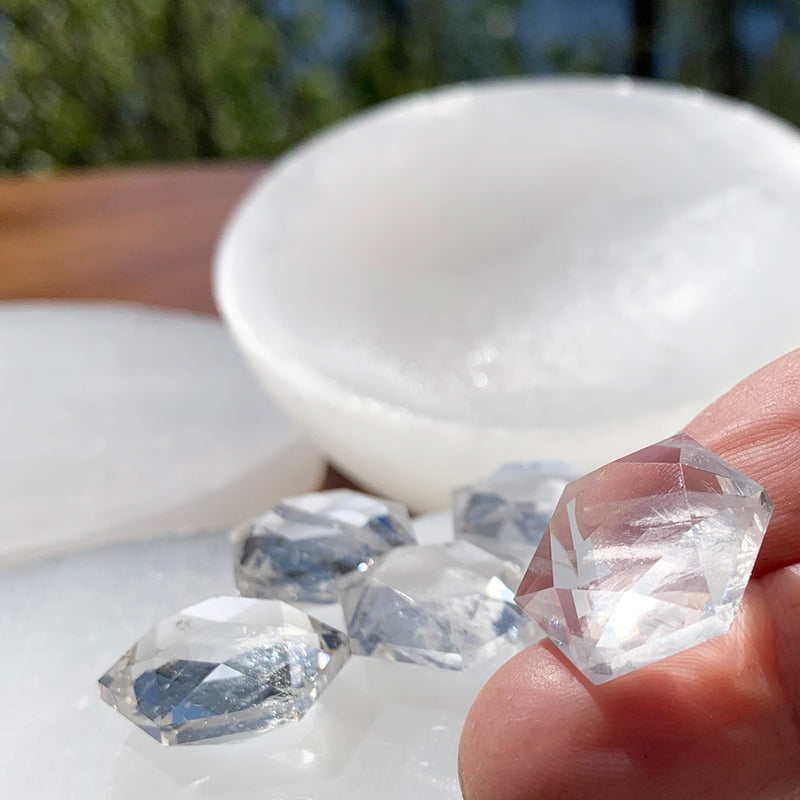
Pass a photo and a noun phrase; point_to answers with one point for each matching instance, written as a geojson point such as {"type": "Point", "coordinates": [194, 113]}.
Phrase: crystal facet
{"type": "Point", "coordinates": [296, 550]}
{"type": "Point", "coordinates": [226, 667]}
{"type": "Point", "coordinates": [508, 512]}
{"type": "Point", "coordinates": [442, 605]}
{"type": "Point", "coordinates": [645, 557]}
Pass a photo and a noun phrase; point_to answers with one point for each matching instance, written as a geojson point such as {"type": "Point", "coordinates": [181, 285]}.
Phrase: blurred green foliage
{"type": "Point", "coordinates": [105, 81]}
{"type": "Point", "coordinates": [108, 81]}
{"type": "Point", "coordinates": [94, 82]}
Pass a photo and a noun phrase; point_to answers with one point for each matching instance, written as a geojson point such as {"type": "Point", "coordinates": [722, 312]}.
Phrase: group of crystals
{"type": "Point", "coordinates": [642, 558]}
{"type": "Point", "coordinates": [233, 665]}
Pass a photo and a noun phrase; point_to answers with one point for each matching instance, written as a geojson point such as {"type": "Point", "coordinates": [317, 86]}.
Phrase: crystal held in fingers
{"type": "Point", "coordinates": [645, 557]}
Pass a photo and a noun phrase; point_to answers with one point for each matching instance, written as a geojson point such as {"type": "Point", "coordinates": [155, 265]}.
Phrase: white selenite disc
{"type": "Point", "coordinates": [118, 420]}
{"type": "Point", "coordinates": [383, 730]}
{"type": "Point", "coordinates": [559, 269]}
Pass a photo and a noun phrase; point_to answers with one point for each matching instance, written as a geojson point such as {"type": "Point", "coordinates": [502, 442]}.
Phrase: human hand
{"type": "Point", "coordinates": [720, 721]}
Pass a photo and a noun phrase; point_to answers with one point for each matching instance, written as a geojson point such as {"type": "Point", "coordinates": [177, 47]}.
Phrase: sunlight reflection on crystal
{"type": "Point", "coordinates": [645, 557]}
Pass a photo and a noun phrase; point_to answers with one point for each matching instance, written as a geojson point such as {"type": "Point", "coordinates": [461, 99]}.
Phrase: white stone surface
{"type": "Point", "coordinates": [526, 265]}
{"type": "Point", "coordinates": [65, 620]}
{"type": "Point", "coordinates": [119, 420]}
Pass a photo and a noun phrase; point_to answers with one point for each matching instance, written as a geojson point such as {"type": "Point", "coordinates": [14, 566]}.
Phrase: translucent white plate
{"type": "Point", "coordinates": [382, 730]}
{"type": "Point", "coordinates": [119, 420]}
{"type": "Point", "coordinates": [563, 268]}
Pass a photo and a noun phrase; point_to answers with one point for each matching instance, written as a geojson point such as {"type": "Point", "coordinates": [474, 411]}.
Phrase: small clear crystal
{"type": "Point", "coordinates": [646, 557]}
{"type": "Point", "coordinates": [226, 667]}
{"type": "Point", "coordinates": [507, 513]}
{"type": "Point", "coordinates": [296, 551]}
{"type": "Point", "coordinates": [442, 605]}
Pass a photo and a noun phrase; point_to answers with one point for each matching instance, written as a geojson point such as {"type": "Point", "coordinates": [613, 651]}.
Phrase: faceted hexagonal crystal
{"type": "Point", "coordinates": [646, 557]}
{"type": "Point", "coordinates": [296, 550]}
{"type": "Point", "coordinates": [508, 512]}
{"type": "Point", "coordinates": [444, 605]}
{"type": "Point", "coordinates": [226, 667]}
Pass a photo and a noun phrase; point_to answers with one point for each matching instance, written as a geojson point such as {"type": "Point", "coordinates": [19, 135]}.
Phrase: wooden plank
{"type": "Point", "coordinates": [141, 235]}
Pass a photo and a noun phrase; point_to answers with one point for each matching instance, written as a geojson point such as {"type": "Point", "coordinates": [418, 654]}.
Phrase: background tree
{"type": "Point", "coordinates": [95, 82]}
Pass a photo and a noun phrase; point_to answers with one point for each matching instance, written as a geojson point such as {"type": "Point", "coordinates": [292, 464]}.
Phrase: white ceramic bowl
{"type": "Point", "coordinates": [532, 269]}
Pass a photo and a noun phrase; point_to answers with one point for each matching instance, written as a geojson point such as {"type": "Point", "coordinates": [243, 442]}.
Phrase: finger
{"type": "Point", "coordinates": [715, 722]}
{"type": "Point", "coordinates": [720, 720]}
{"type": "Point", "coordinates": [756, 427]}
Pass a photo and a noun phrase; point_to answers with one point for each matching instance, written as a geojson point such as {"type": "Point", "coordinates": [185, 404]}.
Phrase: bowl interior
{"type": "Point", "coordinates": [529, 253]}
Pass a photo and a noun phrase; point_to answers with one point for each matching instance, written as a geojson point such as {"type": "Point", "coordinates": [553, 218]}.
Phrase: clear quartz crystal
{"type": "Point", "coordinates": [296, 551]}
{"type": "Point", "coordinates": [645, 557]}
{"type": "Point", "coordinates": [444, 605]}
{"type": "Point", "coordinates": [507, 512]}
{"type": "Point", "coordinates": [226, 667]}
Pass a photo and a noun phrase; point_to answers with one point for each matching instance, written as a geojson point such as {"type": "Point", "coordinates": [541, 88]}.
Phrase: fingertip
{"type": "Point", "coordinates": [756, 428]}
